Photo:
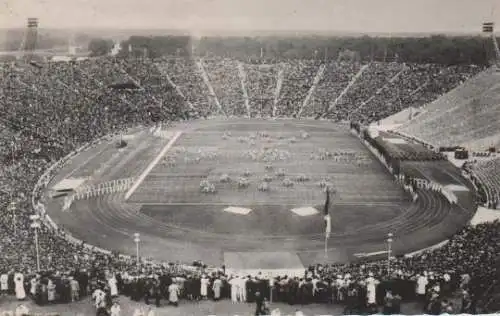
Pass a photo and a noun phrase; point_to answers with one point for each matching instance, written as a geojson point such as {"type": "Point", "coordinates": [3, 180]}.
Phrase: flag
{"type": "Point", "coordinates": [488, 27]}
{"type": "Point", "coordinates": [327, 202]}
{"type": "Point", "coordinates": [328, 219]}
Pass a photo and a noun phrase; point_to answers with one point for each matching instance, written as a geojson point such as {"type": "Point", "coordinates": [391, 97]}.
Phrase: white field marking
{"type": "Point", "coordinates": [305, 211]}
{"type": "Point", "coordinates": [237, 210]}
{"type": "Point", "coordinates": [152, 165]}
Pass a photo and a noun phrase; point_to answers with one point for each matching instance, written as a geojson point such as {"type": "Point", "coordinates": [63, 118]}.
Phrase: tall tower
{"type": "Point", "coordinates": [29, 42]}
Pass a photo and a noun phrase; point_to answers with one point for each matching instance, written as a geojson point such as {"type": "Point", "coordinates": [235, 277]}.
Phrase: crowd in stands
{"type": "Point", "coordinates": [298, 78]}
{"type": "Point", "coordinates": [335, 79]}
{"type": "Point", "coordinates": [47, 112]}
{"type": "Point", "coordinates": [226, 81]}
{"type": "Point", "coordinates": [486, 176]}
{"type": "Point", "coordinates": [467, 116]}
{"type": "Point", "coordinates": [261, 83]}
{"type": "Point", "coordinates": [185, 75]}
{"type": "Point", "coordinates": [378, 91]}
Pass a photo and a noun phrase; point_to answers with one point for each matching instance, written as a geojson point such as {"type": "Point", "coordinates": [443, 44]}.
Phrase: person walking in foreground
{"type": "Point", "coordinates": [173, 294]}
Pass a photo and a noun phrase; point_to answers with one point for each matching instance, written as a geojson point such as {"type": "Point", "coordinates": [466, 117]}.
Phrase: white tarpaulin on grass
{"type": "Point", "coordinates": [237, 210]}
{"type": "Point", "coordinates": [305, 211]}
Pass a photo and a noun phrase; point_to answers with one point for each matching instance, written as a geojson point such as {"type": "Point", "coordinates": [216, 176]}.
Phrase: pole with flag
{"type": "Point", "coordinates": [328, 220]}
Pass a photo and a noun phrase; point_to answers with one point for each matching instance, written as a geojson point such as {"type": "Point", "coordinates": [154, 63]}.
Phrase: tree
{"type": "Point", "coordinates": [100, 47]}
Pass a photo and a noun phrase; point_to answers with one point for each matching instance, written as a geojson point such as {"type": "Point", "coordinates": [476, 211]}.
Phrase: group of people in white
{"type": "Point", "coordinates": [19, 290]}
{"type": "Point", "coordinates": [238, 289]}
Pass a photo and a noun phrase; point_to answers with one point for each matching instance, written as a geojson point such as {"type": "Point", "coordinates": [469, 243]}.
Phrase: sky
{"type": "Point", "coordinates": [381, 16]}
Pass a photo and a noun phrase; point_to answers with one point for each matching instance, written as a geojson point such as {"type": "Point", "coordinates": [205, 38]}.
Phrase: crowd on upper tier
{"type": "Point", "coordinates": [50, 110]}
{"type": "Point", "coordinates": [486, 176]}
{"type": "Point", "coordinates": [468, 116]}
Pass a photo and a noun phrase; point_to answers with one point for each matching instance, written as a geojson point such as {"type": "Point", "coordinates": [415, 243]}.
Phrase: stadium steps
{"type": "Point", "coordinates": [317, 79]}
{"type": "Point", "coordinates": [225, 79]}
{"type": "Point", "coordinates": [378, 92]}
{"type": "Point", "coordinates": [164, 73]}
{"type": "Point", "coordinates": [334, 80]}
{"type": "Point", "coordinates": [186, 75]}
{"type": "Point", "coordinates": [297, 80]}
{"type": "Point", "coordinates": [211, 91]}
{"type": "Point", "coordinates": [279, 84]}
{"type": "Point", "coordinates": [333, 105]}
{"type": "Point", "coordinates": [261, 82]}
{"type": "Point", "coordinates": [243, 80]}
{"type": "Point", "coordinates": [488, 172]}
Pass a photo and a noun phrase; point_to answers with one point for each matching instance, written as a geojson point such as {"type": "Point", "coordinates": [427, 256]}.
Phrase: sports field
{"type": "Point", "coordinates": [271, 153]}
{"type": "Point", "coordinates": [282, 224]}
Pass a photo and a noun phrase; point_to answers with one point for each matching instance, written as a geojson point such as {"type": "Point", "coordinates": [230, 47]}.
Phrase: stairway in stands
{"type": "Point", "coordinates": [164, 73]}
{"type": "Point", "coordinates": [349, 85]}
{"type": "Point", "coordinates": [243, 79]}
{"type": "Point", "coordinates": [317, 79]}
{"type": "Point", "coordinates": [379, 91]}
{"type": "Point", "coordinates": [279, 84]}
{"type": "Point", "coordinates": [212, 95]}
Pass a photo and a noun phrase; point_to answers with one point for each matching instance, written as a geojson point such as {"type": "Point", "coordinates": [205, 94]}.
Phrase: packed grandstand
{"type": "Point", "coordinates": [54, 108]}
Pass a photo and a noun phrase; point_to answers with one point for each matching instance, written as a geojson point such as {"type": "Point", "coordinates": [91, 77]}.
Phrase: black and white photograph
{"type": "Point", "coordinates": [249, 157]}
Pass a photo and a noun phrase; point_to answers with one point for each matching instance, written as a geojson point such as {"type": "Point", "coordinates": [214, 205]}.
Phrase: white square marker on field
{"type": "Point", "coordinates": [237, 210]}
{"type": "Point", "coordinates": [305, 211]}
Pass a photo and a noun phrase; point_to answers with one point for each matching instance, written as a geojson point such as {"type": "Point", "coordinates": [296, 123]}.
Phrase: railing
{"type": "Point", "coordinates": [39, 207]}
{"type": "Point", "coordinates": [113, 186]}
{"type": "Point", "coordinates": [47, 177]}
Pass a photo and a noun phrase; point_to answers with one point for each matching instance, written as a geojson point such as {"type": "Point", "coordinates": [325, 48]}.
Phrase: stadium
{"type": "Point", "coordinates": [215, 168]}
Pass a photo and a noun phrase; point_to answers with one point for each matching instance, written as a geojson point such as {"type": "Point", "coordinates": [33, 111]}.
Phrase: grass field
{"type": "Point", "coordinates": [261, 149]}
{"type": "Point", "coordinates": [204, 154]}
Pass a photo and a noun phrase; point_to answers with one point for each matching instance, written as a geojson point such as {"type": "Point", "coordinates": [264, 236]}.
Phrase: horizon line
{"type": "Point", "coordinates": [217, 32]}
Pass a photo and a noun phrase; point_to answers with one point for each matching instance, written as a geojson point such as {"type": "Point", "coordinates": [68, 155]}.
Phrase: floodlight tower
{"type": "Point", "coordinates": [29, 42]}
{"type": "Point", "coordinates": [489, 29]}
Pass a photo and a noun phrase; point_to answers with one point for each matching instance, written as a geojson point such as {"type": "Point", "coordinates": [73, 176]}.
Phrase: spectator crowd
{"type": "Point", "coordinates": [51, 110]}
{"type": "Point", "coordinates": [486, 176]}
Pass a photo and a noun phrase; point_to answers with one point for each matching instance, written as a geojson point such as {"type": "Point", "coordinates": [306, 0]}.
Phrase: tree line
{"type": "Point", "coordinates": [438, 49]}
